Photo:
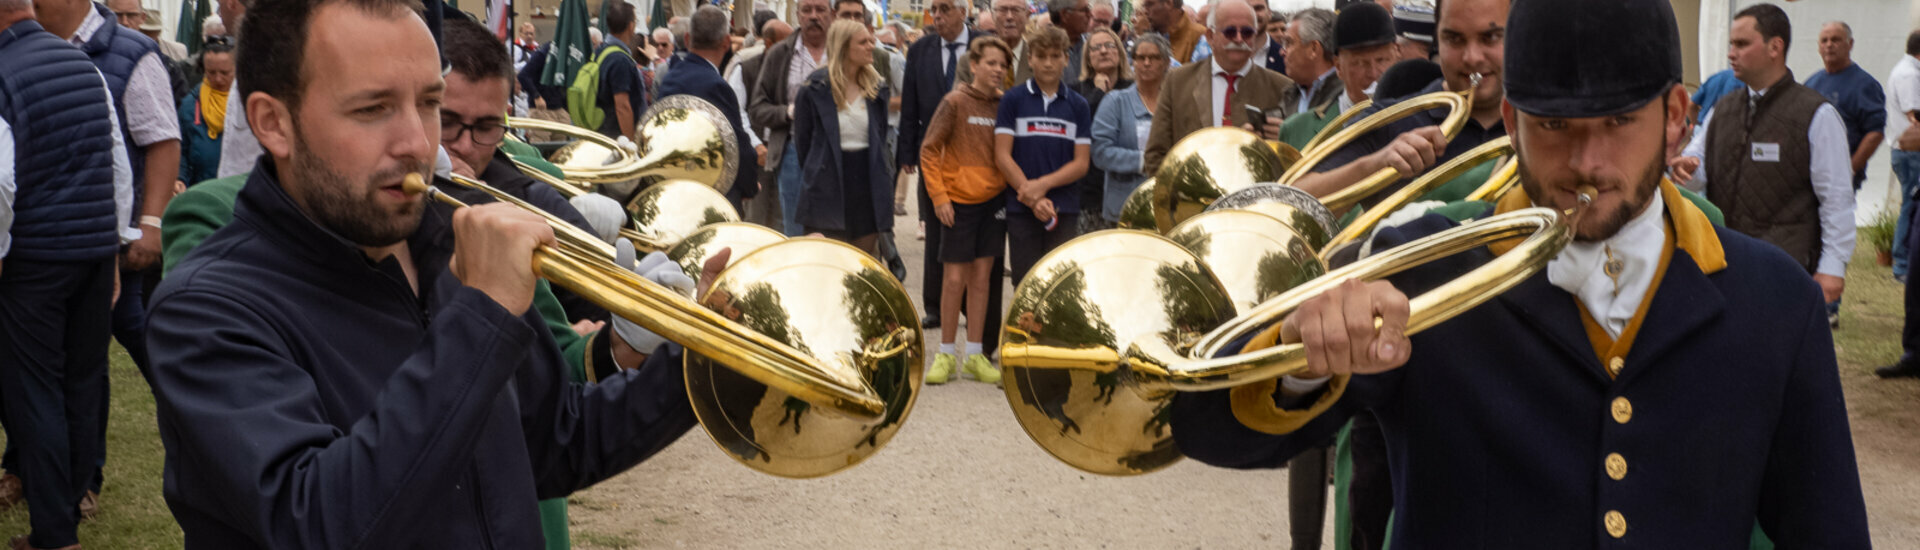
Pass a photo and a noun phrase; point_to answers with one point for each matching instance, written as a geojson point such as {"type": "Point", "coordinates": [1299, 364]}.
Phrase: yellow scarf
{"type": "Point", "coordinates": [213, 109]}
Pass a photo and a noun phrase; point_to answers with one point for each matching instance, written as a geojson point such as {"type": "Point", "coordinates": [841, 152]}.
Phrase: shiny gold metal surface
{"type": "Point", "coordinates": [1255, 255]}
{"type": "Point", "coordinates": [1363, 224]}
{"type": "Point", "coordinates": [681, 137]}
{"type": "Point", "coordinates": [1622, 410]}
{"type": "Point", "coordinates": [1081, 302]}
{"type": "Point", "coordinates": [563, 231]}
{"type": "Point", "coordinates": [1459, 105]}
{"type": "Point", "coordinates": [1108, 324]}
{"type": "Point", "coordinates": [1503, 179]}
{"type": "Point", "coordinates": [830, 301]}
{"type": "Point", "coordinates": [1339, 121]}
{"type": "Point", "coordinates": [668, 211]}
{"type": "Point", "coordinates": [1616, 523]}
{"type": "Point", "coordinates": [1616, 466]}
{"type": "Point", "coordinates": [1207, 165]}
{"type": "Point", "coordinates": [1137, 212]}
{"type": "Point", "coordinates": [865, 375]}
{"type": "Point", "coordinates": [743, 238]}
{"type": "Point", "coordinates": [1301, 212]}
{"type": "Point", "coordinates": [1615, 365]}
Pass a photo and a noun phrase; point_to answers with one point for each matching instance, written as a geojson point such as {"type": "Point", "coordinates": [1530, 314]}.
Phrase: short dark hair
{"type": "Point", "coordinates": [707, 29]}
{"type": "Point", "coordinates": [212, 47]}
{"type": "Point", "coordinates": [1771, 21]}
{"type": "Point", "coordinates": [1913, 43]}
{"type": "Point", "coordinates": [273, 43]}
{"type": "Point", "coordinates": [760, 19]}
{"type": "Point", "coordinates": [619, 17]}
{"type": "Point", "coordinates": [472, 51]}
{"type": "Point", "coordinates": [837, 3]}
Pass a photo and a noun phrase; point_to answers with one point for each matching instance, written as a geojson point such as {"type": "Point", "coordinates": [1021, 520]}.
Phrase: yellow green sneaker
{"type": "Point", "coordinates": [941, 370]}
{"type": "Point", "coordinates": [981, 369]}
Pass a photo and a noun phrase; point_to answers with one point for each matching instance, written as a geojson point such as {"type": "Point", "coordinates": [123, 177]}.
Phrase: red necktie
{"type": "Point", "coordinates": [1226, 107]}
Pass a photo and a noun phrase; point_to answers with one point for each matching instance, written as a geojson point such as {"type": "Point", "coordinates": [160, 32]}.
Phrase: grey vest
{"type": "Point", "coordinates": [1769, 200]}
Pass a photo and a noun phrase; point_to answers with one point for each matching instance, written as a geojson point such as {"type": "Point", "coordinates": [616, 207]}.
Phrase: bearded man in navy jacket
{"type": "Point", "coordinates": [341, 366]}
{"type": "Point", "coordinates": [1662, 384]}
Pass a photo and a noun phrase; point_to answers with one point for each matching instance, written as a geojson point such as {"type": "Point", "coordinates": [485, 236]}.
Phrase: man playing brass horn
{"type": "Point", "coordinates": [341, 366]}
{"type": "Point", "coordinates": [1663, 384]}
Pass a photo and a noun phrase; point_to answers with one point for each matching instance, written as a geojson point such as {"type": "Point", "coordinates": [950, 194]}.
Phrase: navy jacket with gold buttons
{"type": "Point", "coordinates": [1500, 428]}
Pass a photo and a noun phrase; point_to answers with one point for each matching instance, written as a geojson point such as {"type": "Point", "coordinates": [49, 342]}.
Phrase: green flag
{"type": "Point", "coordinates": [662, 12]}
{"type": "Point", "coordinates": [192, 14]}
{"type": "Point", "coordinates": [601, 21]}
{"type": "Point", "coordinates": [571, 45]}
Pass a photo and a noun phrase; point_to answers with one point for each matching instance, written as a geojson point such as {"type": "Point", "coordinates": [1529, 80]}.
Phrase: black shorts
{"type": "Point", "coordinates": [979, 231]}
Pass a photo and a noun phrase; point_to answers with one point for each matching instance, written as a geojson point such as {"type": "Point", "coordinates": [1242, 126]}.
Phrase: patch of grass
{"type": "Point", "coordinates": [592, 539]}
{"type": "Point", "coordinates": [132, 513]}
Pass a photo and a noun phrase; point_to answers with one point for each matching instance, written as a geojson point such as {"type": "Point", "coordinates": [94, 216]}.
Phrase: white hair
{"type": "Point", "coordinates": [207, 27]}
{"type": "Point", "coordinates": [594, 34]}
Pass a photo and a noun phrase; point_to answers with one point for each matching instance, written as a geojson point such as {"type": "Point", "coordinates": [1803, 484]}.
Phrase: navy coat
{"type": "Point", "coordinates": [1498, 428]}
{"type": "Point", "coordinates": [816, 135]}
{"type": "Point", "coordinates": [924, 86]}
{"type": "Point", "coordinates": [308, 399]}
{"type": "Point", "coordinates": [693, 76]}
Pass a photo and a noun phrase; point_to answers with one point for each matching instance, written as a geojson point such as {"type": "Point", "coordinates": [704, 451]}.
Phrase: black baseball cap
{"type": "Point", "coordinates": [1589, 58]}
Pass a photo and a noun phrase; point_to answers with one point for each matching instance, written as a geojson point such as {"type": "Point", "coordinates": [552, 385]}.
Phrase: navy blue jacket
{"type": "Point", "coordinates": [816, 138]}
{"type": "Point", "coordinates": [923, 86]}
{"type": "Point", "coordinates": [57, 107]}
{"type": "Point", "coordinates": [529, 78]}
{"type": "Point", "coordinates": [116, 50]}
{"type": "Point", "coordinates": [1498, 427]}
{"type": "Point", "coordinates": [308, 399]}
{"type": "Point", "coordinates": [693, 76]}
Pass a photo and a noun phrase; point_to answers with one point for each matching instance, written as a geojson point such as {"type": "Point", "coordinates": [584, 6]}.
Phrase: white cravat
{"type": "Point", "coordinates": [1581, 268]}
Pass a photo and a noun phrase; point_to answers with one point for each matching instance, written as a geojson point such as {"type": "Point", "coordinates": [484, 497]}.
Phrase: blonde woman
{"type": "Point", "coordinates": [840, 133]}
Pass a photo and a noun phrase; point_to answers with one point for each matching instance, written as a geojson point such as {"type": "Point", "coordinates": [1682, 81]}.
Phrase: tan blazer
{"type": "Point", "coordinates": [1186, 104]}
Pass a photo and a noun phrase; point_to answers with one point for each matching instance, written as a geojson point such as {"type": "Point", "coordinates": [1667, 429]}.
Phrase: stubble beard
{"type": "Point", "coordinates": [1600, 225]}
{"type": "Point", "coordinates": [359, 217]}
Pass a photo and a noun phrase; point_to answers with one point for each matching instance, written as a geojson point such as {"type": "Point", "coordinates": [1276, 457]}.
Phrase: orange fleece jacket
{"type": "Point", "coordinates": [956, 157]}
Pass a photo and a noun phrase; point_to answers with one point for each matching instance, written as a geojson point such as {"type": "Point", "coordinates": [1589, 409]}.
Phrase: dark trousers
{"type": "Point", "coordinates": [932, 273]}
{"type": "Point", "coordinates": [54, 325]}
{"type": "Point", "coordinates": [1910, 329]}
{"type": "Point", "coordinates": [1370, 495]}
{"type": "Point", "coordinates": [1028, 239]}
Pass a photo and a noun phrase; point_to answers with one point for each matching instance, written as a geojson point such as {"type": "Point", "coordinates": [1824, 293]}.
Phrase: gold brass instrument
{"type": "Point", "coordinates": [1137, 212]}
{"type": "Point", "coordinates": [681, 137]}
{"type": "Point", "coordinates": [1106, 327]}
{"type": "Point", "coordinates": [667, 211]}
{"type": "Point", "coordinates": [1208, 164]}
{"type": "Point", "coordinates": [1460, 107]}
{"type": "Point", "coordinates": [814, 382]}
{"type": "Point", "coordinates": [1339, 121]}
{"type": "Point", "coordinates": [1495, 148]}
{"type": "Point", "coordinates": [1504, 179]}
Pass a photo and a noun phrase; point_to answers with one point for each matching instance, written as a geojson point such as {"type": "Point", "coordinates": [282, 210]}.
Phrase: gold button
{"type": "Point", "coordinates": [1616, 466]}
{"type": "Point", "coordinates": [1614, 366]}
{"type": "Point", "coordinates": [1616, 524]}
{"type": "Point", "coordinates": [1622, 410]}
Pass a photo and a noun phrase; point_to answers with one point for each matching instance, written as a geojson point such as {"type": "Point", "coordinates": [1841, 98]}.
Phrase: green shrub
{"type": "Point", "coordinates": [1879, 232]}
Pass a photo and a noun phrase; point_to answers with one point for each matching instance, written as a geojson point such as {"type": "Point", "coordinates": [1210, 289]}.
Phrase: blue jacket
{"type": "Point", "coordinates": [1497, 428]}
{"type": "Point", "coordinates": [308, 399]}
{"type": "Point", "coordinates": [816, 138]}
{"type": "Point", "coordinates": [116, 50]}
{"type": "Point", "coordinates": [199, 152]}
{"type": "Point", "coordinates": [924, 85]}
{"type": "Point", "coordinates": [1118, 129]}
{"type": "Point", "coordinates": [60, 115]}
{"type": "Point", "coordinates": [695, 77]}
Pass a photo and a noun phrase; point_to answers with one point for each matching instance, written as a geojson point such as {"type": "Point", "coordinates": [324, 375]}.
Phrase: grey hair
{"type": "Point", "coordinates": [1153, 39]}
{"type": "Point", "coordinates": [1316, 25]}
{"type": "Point", "coordinates": [206, 27]}
{"type": "Point", "coordinates": [1061, 5]}
{"type": "Point", "coordinates": [1213, 12]}
{"type": "Point", "coordinates": [1843, 26]}
{"type": "Point", "coordinates": [678, 27]}
{"type": "Point", "coordinates": [708, 31]}
{"type": "Point", "coordinates": [15, 5]}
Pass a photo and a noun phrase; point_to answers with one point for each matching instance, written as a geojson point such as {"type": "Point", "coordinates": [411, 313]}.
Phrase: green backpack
{"type": "Point", "coordinates": [584, 93]}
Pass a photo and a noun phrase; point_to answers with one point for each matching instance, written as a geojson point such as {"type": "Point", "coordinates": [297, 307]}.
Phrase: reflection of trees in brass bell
{"type": "Point", "coordinates": [1260, 160]}
{"type": "Point", "coordinates": [1281, 271]}
{"type": "Point", "coordinates": [1072, 321]}
{"type": "Point", "coordinates": [794, 410]}
{"type": "Point", "coordinates": [1185, 304]}
{"type": "Point", "coordinates": [643, 212]}
{"type": "Point", "coordinates": [1194, 188]}
{"type": "Point", "coordinates": [761, 310]}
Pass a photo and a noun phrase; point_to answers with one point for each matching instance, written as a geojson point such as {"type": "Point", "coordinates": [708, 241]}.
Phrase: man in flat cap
{"type": "Point", "coordinates": [1662, 383]}
{"type": "Point", "coordinates": [1363, 48]}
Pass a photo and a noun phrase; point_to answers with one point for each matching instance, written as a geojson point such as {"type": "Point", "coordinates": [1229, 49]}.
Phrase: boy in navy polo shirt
{"type": "Point", "coordinates": [1040, 141]}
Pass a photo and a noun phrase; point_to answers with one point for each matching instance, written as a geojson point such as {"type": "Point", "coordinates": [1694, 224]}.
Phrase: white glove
{"type": "Point", "coordinates": [625, 145]}
{"type": "Point", "coordinates": [658, 268]}
{"type": "Point", "coordinates": [442, 165]}
{"type": "Point", "coordinates": [603, 213]}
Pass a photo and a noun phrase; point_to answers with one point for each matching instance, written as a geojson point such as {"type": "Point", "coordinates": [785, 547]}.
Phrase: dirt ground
{"type": "Point", "coordinates": [962, 474]}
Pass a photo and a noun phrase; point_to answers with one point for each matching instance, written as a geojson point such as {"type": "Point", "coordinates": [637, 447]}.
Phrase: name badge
{"type": "Point", "coordinates": [1766, 152]}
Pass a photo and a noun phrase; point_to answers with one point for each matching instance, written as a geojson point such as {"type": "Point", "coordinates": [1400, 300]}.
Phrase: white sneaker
{"type": "Point", "coordinates": [921, 234]}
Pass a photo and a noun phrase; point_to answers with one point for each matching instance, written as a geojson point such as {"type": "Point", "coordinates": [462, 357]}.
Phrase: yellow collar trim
{"type": "Point", "coordinates": [1692, 231]}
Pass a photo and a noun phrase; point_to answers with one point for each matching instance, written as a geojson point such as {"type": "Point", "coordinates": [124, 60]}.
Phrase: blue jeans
{"type": "Point", "coordinates": [1906, 169]}
{"type": "Point", "coordinates": [790, 186]}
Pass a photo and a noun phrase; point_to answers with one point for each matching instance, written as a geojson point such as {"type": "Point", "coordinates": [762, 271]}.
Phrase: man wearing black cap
{"type": "Point", "coordinates": [1662, 383]}
{"type": "Point", "coordinates": [1363, 48]}
{"type": "Point", "coordinates": [1472, 36]}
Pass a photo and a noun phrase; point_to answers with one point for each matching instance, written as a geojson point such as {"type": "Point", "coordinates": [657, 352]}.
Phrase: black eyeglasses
{"type": "Point", "coordinates": [1239, 33]}
{"type": "Point", "coordinates": [485, 132]}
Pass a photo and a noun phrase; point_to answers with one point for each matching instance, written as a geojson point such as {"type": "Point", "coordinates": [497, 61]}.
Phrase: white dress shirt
{"type": "Point", "coordinates": [238, 148]}
{"type": "Point", "coordinates": [122, 181]}
{"type": "Point", "coordinates": [1832, 171]}
{"type": "Point", "coordinates": [1220, 90]}
{"type": "Point", "coordinates": [739, 85]}
{"type": "Point", "coordinates": [1307, 92]}
{"type": "Point", "coordinates": [853, 126]}
{"type": "Point", "coordinates": [152, 115]}
{"type": "Point", "coordinates": [1580, 269]}
{"type": "Point", "coordinates": [947, 53]}
{"type": "Point", "coordinates": [1903, 96]}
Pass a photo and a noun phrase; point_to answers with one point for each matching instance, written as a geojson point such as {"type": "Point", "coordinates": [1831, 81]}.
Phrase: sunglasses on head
{"type": "Point", "coordinates": [1239, 33]}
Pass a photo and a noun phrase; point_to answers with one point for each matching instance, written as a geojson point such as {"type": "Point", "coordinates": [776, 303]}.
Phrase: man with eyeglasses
{"type": "Point", "coordinates": [1010, 24]}
{"type": "Point", "coordinates": [1218, 92]}
{"type": "Point", "coordinates": [782, 74]}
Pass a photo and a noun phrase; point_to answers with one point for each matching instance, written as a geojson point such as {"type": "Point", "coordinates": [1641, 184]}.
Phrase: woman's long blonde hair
{"type": "Point", "coordinates": [839, 38]}
{"type": "Point", "coordinates": [1124, 70]}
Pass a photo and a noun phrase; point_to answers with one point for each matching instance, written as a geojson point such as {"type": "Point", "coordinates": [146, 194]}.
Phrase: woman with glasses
{"type": "Point", "coordinates": [840, 133]}
{"type": "Point", "coordinates": [203, 113]}
{"type": "Point", "coordinates": [1104, 70]}
{"type": "Point", "coordinates": [1121, 123]}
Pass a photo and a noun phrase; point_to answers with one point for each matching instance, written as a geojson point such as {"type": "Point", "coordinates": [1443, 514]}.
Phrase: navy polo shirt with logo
{"type": "Point", "coordinates": [1045, 131]}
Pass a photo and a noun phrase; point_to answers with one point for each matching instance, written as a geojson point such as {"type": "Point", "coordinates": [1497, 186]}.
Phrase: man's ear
{"type": "Point", "coordinates": [1510, 119]}
{"type": "Point", "coordinates": [272, 124]}
{"type": "Point", "coordinates": [1677, 103]}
